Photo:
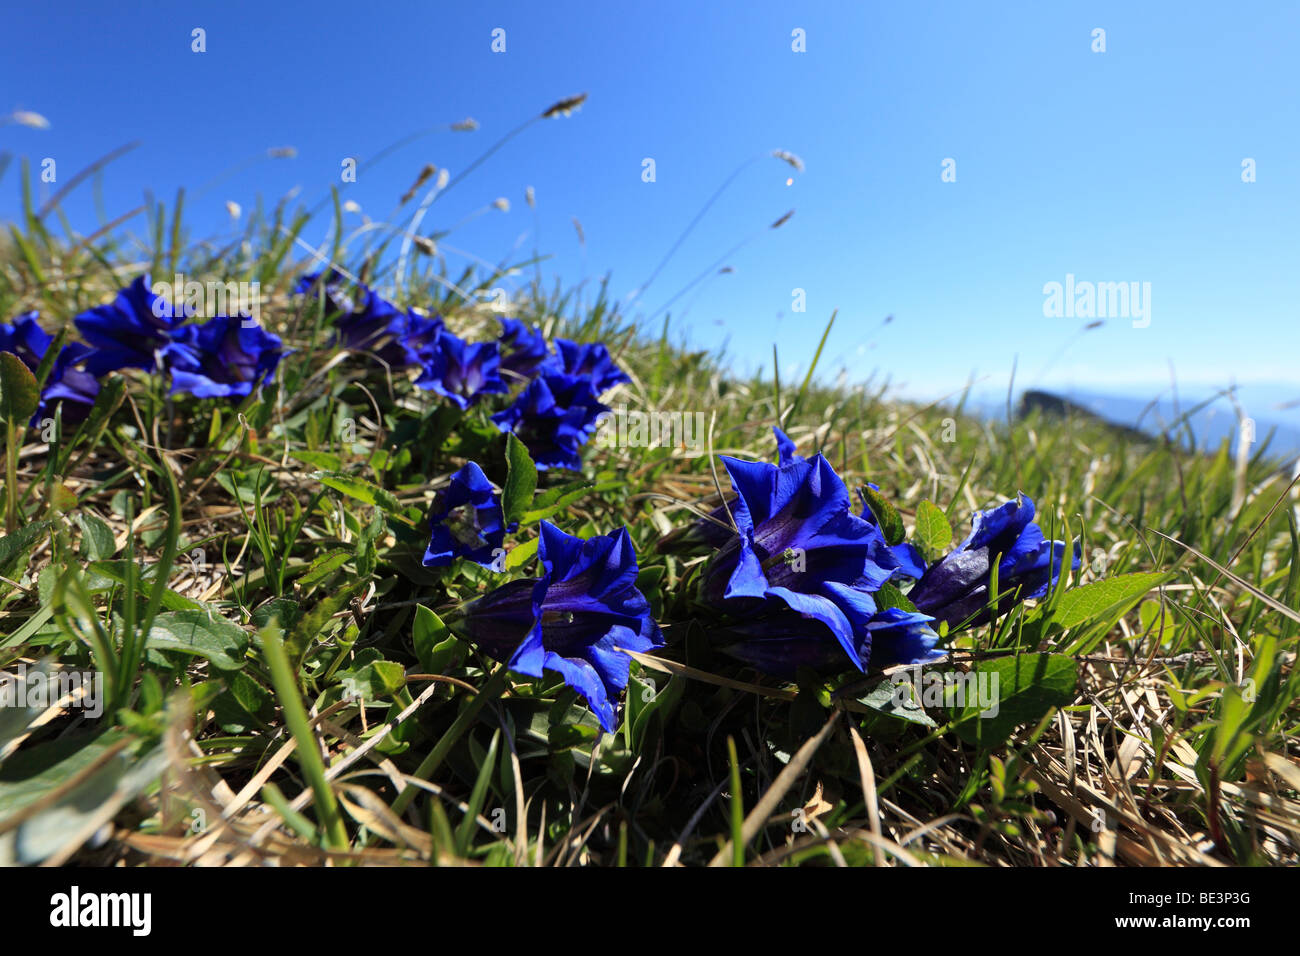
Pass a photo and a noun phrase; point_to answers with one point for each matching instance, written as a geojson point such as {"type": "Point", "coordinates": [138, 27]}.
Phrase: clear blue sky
{"type": "Point", "coordinates": [1115, 166]}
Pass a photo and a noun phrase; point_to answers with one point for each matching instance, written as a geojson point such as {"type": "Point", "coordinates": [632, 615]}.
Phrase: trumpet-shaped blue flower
{"type": "Point", "coordinates": [554, 416]}
{"type": "Point", "coordinates": [573, 620]}
{"type": "Point", "coordinates": [956, 588]}
{"type": "Point", "coordinates": [128, 332]}
{"type": "Point", "coordinates": [399, 337]}
{"type": "Point", "coordinates": [591, 362]}
{"type": "Point", "coordinates": [800, 545]}
{"type": "Point", "coordinates": [461, 371]}
{"type": "Point", "coordinates": [223, 357]}
{"type": "Point", "coordinates": [467, 522]}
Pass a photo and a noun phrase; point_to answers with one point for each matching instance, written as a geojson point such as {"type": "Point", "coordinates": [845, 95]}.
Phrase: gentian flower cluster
{"type": "Point", "coordinates": [554, 416]}
{"type": "Point", "coordinates": [559, 410]}
{"type": "Point", "coordinates": [129, 332]}
{"type": "Point", "coordinates": [796, 584]}
{"type": "Point", "coordinates": [224, 357]}
{"type": "Point", "coordinates": [459, 371]}
{"type": "Point", "coordinates": [555, 413]}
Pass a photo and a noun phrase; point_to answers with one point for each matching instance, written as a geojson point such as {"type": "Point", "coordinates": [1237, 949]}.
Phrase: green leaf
{"type": "Point", "coordinates": [285, 610]}
{"type": "Point", "coordinates": [324, 566]}
{"type": "Point", "coordinates": [521, 480]}
{"type": "Point", "coordinates": [465, 832]}
{"type": "Point", "coordinates": [554, 500]}
{"type": "Point", "coordinates": [660, 705]}
{"type": "Point", "coordinates": [112, 392]}
{"type": "Point", "coordinates": [98, 778]}
{"type": "Point", "coordinates": [1104, 600]}
{"type": "Point", "coordinates": [21, 541]}
{"type": "Point", "coordinates": [318, 459]}
{"type": "Point", "coordinates": [312, 626]}
{"type": "Point", "coordinates": [1025, 687]}
{"type": "Point", "coordinates": [372, 681]}
{"type": "Point", "coordinates": [892, 701]}
{"type": "Point", "coordinates": [435, 646]}
{"type": "Point", "coordinates": [362, 490]}
{"type": "Point", "coordinates": [97, 542]}
{"type": "Point", "coordinates": [889, 596]}
{"type": "Point", "coordinates": [19, 393]}
{"type": "Point", "coordinates": [933, 533]}
{"type": "Point", "coordinates": [521, 554]}
{"type": "Point", "coordinates": [195, 632]}
{"type": "Point", "coordinates": [891, 523]}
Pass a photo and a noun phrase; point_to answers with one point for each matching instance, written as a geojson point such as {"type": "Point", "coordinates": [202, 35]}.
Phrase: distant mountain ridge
{"type": "Point", "coordinates": [1210, 419]}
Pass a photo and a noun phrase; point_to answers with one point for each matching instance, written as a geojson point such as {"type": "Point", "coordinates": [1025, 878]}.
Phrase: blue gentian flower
{"type": "Point", "coordinates": [223, 357]}
{"type": "Point", "coordinates": [128, 332]}
{"type": "Point", "coordinates": [592, 362]}
{"type": "Point", "coordinates": [467, 522]}
{"type": "Point", "coordinates": [461, 371]}
{"type": "Point", "coordinates": [573, 620]}
{"type": "Point", "coordinates": [25, 338]}
{"type": "Point", "coordinates": [554, 416]}
{"type": "Point", "coordinates": [523, 349]}
{"type": "Point", "coordinates": [798, 545]}
{"type": "Point", "coordinates": [956, 588]}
